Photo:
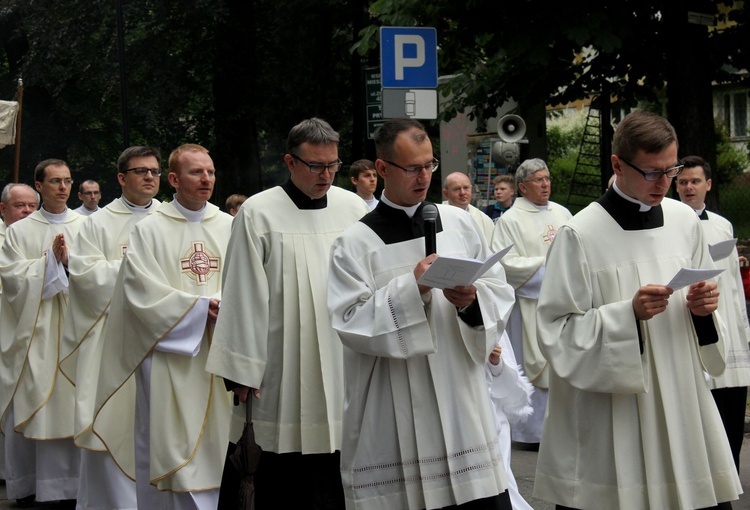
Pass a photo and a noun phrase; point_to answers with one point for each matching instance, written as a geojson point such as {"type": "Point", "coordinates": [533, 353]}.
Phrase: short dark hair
{"type": "Point", "coordinates": [386, 135]}
{"type": "Point", "coordinates": [694, 161]}
{"type": "Point", "coordinates": [87, 181]}
{"type": "Point", "coordinates": [642, 130]}
{"type": "Point", "coordinates": [314, 131]}
{"type": "Point", "coordinates": [360, 166]}
{"type": "Point", "coordinates": [137, 151]}
{"type": "Point", "coordinates": [40, 172]}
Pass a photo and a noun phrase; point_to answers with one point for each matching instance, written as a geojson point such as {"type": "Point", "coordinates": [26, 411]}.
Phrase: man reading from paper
{"type": "Point", "coordinates": [418, 429]}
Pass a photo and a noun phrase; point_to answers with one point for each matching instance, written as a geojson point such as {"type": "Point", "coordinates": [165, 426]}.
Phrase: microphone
{"type": "Point", "coordinates": [429, 215]}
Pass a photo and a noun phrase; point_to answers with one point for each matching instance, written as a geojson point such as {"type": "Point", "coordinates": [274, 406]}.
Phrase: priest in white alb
{"type": "Point", "coordinates": [36, 401]}
{"type": "Point", "coordinates": [730, 388]}
{"type": "Point", "coordinates": [274, 334]}
{"type": "Point", "coordinates": [164, 306]}
{"type": "Point", "coordinates": [530, 226]}
{"type": "Point", "coordinates": [16, 202]}
{"type": "Point", "coordinates": [630, 421]}
{"type": "Point", "coordinates": [94, 262]}
{"type": "Point", "coordinates": [418, 428]}
{"type": "Point", "coordinates": [457, 191]}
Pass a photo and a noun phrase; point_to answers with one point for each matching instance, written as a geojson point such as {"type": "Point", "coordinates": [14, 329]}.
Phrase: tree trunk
{"type": "Point", "coordinates": [689, 92]}
{"type": "Point", "coordinates": [236, 155]}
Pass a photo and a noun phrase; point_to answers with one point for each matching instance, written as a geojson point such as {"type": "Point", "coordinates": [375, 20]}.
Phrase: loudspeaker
{"type": "Point", "coordinates": [511, 128]}
{"type": "Point", "coordinates": [505, 154]}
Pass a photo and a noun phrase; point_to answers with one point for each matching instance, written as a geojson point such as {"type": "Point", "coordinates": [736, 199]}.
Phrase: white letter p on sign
{"type": "Point", "coordinates": [403, 62]}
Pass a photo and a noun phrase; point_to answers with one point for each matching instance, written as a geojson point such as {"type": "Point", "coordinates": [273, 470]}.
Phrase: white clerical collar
{"type": "Point", "coordinates": [410, 211]}
{"type": "Point", "coordinates": [540, 207]}
{"type": "Point", "coordinates": [643, 207]}
{"type": "Point", "coordinates": [53, 217]}
{"type": "Point", "coordinates": [700, 211]}
{"type": "Point", "coordinates": [137, 209]}
{"type": "Point", "coordinates": [191, 216]}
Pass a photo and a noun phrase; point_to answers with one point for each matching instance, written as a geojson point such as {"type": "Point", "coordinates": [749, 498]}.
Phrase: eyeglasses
{"type": "Point", "coordinates": [91, 193]}
{"type": "Point", "coordinates": [319, 168]}
{"type": "Point", "coordinates": [57, 181]}
{"type": "Point", "coordinates": [142, 170]}
{"type": "Point", "coordinates": [540, 180]}
{"type": "Point", "coordinates": [655, 175]}
{"type": "Point", "coordinates": [416, 169]}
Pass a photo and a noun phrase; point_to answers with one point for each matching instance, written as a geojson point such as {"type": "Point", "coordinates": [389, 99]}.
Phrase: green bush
{"type": "Point", "coordinates": [731, 162]}
{"type": "Point", "coordinates": [564, 135]}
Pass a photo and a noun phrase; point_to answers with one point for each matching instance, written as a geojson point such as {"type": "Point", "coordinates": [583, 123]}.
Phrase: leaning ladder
{"type": "Point", "coordinates": [586, 185]}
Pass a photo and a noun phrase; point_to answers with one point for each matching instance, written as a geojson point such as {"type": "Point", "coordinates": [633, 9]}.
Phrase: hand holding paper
{"type": "Point", "coordinates": [449, 272]}
{"type": "Point", "coordinates": [687, 276]}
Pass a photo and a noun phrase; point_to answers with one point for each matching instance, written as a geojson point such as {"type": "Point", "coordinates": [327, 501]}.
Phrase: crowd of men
{"type": "Point", "coordinates": [136, 337]}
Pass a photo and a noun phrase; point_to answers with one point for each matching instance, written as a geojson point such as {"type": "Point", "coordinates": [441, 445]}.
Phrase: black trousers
{"type": "Point", "coordinates": [499, 502]}
{"type": "Point", "coordinates": [720, 506]}
{"type": "Point", "coordinates": [731, 404]}
{"type": "Point", "coordinates": [293, 480]}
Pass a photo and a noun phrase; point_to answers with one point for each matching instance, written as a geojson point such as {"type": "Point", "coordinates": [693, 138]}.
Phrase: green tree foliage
{"type": "Point", "coordinates": [232, 75]}
{"type": "Point", "coordinates": [731, 161]}
{"type": "Point", "coordinates": [540, 48]}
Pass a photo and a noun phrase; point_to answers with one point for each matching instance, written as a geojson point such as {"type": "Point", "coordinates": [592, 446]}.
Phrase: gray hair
{"type": "Point", "coordinates": [5, 196]}
{"type": "Point", "coordinates": [529, 167]}
{"type": "Point", "coordinates": [314, 131]}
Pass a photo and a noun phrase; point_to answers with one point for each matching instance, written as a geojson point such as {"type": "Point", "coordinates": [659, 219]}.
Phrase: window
{"type": "Point", "coordinates": [733, 112]}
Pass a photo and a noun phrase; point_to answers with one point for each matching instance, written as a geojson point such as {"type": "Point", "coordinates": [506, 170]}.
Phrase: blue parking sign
{"type": "Point", "coordinates": [408, 57]}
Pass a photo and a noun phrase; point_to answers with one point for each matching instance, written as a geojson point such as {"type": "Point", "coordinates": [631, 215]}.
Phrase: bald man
{"type": "Point", "coordinates": [457, 190]}
{"type": "Point", "coordinates": [16, 202]}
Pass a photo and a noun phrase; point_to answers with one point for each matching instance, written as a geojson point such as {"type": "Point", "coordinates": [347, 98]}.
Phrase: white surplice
{"type": "Point", "coordinates": [419, 431]}
{"type": "Point", "coordinates": [274, 332]}
{"type": "Point", "coordinates": [625, 428]}
{"type": "Point", "coordinates": [731, 307]}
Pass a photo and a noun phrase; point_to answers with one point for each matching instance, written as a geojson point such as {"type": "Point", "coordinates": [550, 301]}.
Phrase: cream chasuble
{"type": "Point", "coordinates": [531, 231]}
{"type": "Point", "coordinates": [731, 307]}
{"type": "Point", "coordinates": [624, 428]}
{"type": "Point", "coordinates": [3, 228]}
{"type": "Point", "coordinates": [419, 431]}
{"type": "Point", "coordinates": [169, 265]}
{"type": "Point", "coordinates": [274, 332]}
{"type": "Point", "coordinates": [30, 381]}
{"type": "Point", "coordinates": [94, 262]}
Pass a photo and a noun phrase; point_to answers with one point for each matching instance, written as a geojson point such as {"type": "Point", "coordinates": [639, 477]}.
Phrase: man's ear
{"type": "Point", "coordinates": [380, 167]}
{"type": "Point", "coordinates": [616, 165]}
